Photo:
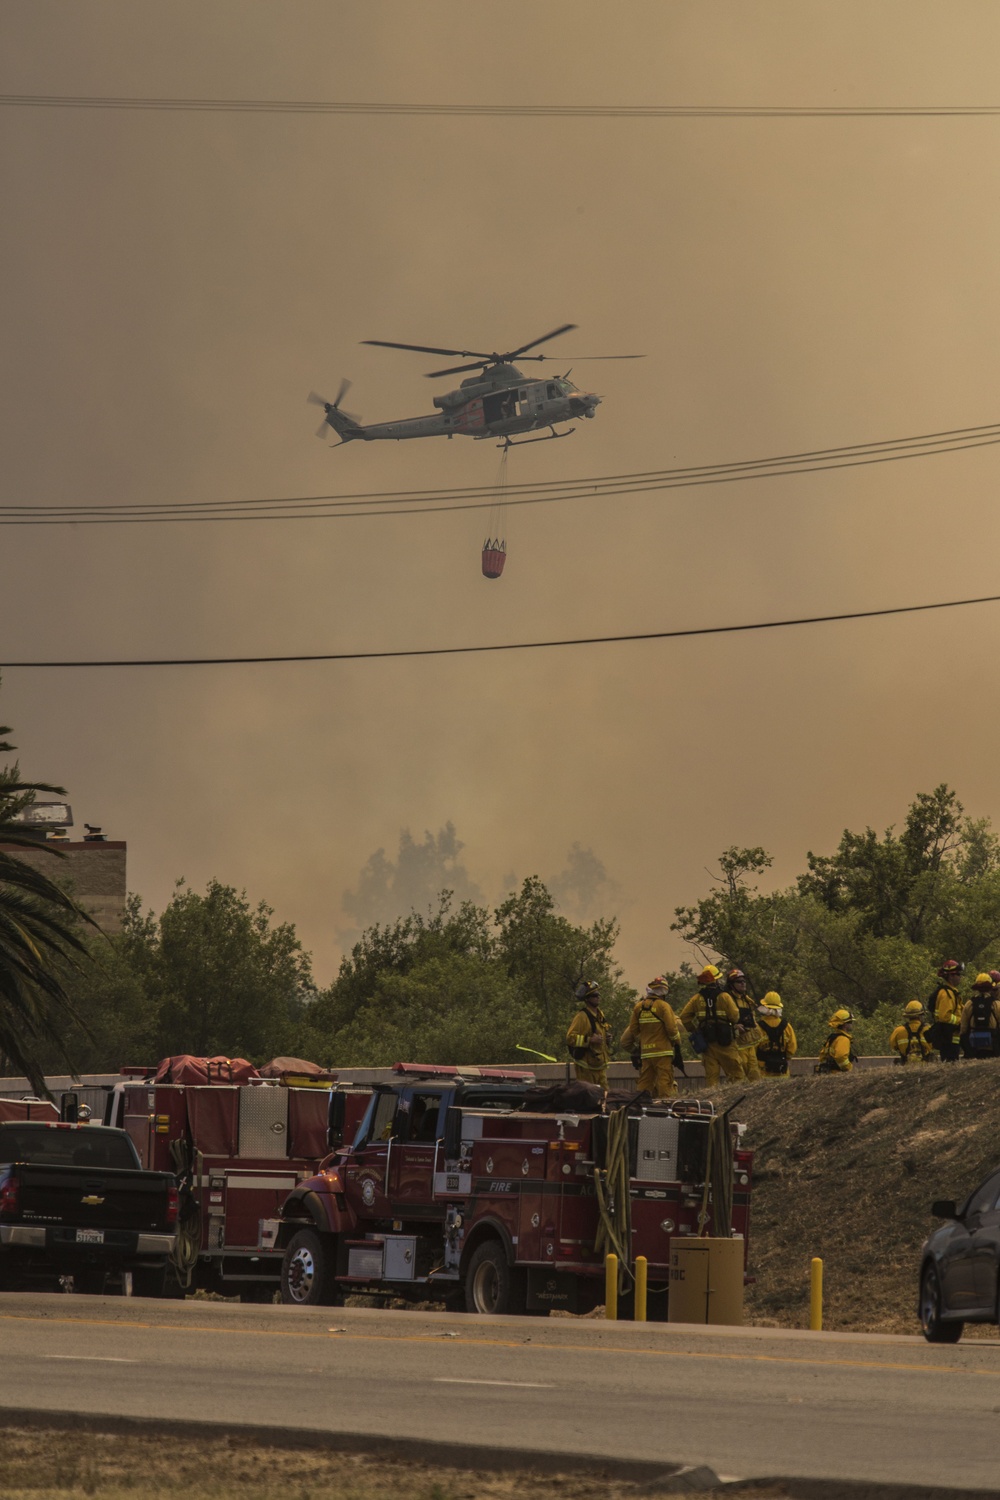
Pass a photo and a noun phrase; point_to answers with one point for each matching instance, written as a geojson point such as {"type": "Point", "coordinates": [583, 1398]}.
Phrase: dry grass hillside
{"type": "Point", "coordinates": [846, 1168]}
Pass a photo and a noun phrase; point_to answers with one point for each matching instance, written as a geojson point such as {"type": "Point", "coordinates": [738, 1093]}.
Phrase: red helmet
{"type": "Point", "coordinates": [951, 969]}
{"type": "Point", "coordinates": [995, 975]}
{"type": "Point", "coordinates": [736, 974]}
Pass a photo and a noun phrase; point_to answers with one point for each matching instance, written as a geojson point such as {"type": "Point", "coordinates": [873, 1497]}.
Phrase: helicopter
{"type": "Point", "coordinates": [497, 402]}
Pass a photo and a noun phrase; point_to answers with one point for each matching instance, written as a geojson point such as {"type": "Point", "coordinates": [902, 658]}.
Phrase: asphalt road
{"type": "Point", "coordinates": [748, 1402]}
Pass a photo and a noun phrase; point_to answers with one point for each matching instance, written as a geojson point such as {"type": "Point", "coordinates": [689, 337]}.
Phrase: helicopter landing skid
{"type": "Point", "coordinates": [510, 442]}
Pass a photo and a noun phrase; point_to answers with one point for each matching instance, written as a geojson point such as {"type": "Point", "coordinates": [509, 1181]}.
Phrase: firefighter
{"type": "Point", "coordinates": [711, 1018]}
{"type": "Point", "coordinates": [910, 1041]}
{"type": "Point", "coordinates": [589, 1036]}
{"type": "Point", "coordinates": [945, 1009]}
{"type": "Point", "coordinates": [748, 1035]}
{"type": "Point", "coordinates": [778, 1041]}
{"type": "Point", "coordinates": [655, 1031]}
{"type": "Point", "coordinates": [979, 1033]}
{"type": "Point", "coordinates": [837, 1054]}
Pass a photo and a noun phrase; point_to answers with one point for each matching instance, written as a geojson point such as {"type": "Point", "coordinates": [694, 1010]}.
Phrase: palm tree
{"type": "Point", "coordinates": [39, 937]}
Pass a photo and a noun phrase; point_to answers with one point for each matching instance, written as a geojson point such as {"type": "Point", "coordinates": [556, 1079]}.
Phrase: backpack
{"type": "Point", "coordinates": [981, 1033]}
{"type": "Point", "coordinates": [913, 1042]}
{"type": "Point", "coordinates": [712, 1027]}
{"type": "Point", "coordinates": [827, 1064]}
{"type": "Point", "coordinates": [771, 1053]}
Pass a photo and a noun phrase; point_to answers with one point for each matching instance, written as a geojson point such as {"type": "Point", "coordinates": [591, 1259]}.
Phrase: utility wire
{"type": "Point", "coordinates": [586, 640]}
{"type": "Point", "coordinates": [480, 497]}
{"type": "Point", "coordinates": [502, 111]}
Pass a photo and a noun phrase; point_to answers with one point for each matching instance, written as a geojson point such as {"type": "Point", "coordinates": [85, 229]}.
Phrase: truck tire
{"type": "Point", "coordinates": [936, 1329]}
{"type": "Point", "coordinates": [307, 1271]}
{"type": "Point", "coordinates": [149, 1281]}
{"type": "Point", "coordinates": [491, 1285]}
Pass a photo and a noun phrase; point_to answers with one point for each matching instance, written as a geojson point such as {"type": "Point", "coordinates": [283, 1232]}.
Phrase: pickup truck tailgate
{"type": "Point", "coordinates": [107, 1198]}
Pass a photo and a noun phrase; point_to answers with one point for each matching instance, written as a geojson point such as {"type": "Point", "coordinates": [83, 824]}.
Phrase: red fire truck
{"type": "Point", "coordinates": [454, 1189]}
{"type": "Point", "coordinates": [237, 1151]}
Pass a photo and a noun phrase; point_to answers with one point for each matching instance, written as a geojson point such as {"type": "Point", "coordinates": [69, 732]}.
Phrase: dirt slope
{"type": "Point", "coordinates": [846, 1168]}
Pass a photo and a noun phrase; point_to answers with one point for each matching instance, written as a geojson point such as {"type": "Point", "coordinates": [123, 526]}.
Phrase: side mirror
{"type": "Point", "coordinates": [944, 1208]}
{"type": "Point", "coordinates": [335, 1120]}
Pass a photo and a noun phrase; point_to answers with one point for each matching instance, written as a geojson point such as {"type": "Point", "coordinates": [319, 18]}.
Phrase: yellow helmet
{"type": "Point", "coordinates": [840, 1019]}
{"type": "Point", "coordinates": [709, 975]}
{"type": "Point", "coordinates": [982, 982]}
{"type": "Point", "coordinates": [770, 1005]}
{"type": "Point", "coordinates": [913, 1009]}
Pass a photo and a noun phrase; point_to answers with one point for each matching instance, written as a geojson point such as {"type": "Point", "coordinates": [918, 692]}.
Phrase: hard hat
{"type": "Point", "coordinates": [840, 1019]}
{"type": "Point", "coordinates": [983, 982]}
{"type": "Point", "coordinates": [586, 990]}
{"type": "Point", "coordinates": [995, 975]}
{"type": "Point", "coordinates": [951, 969]}
{"type": "Point", "coordinates": [657, 987]}
{"type": "Point", "coordinates": [709, 975]}
{"type": "Point", "coordinates": [771, 1004]}
{"type": "Point", "coordinates": [913, 1008]}
{"type": "Point", "coordinates": [735, 974]}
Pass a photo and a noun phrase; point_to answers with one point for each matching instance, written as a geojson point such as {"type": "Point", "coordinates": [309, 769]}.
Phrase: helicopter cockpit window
{"type": "Point", "coordinates": [565, 386]}
{"type": "Point", "coordinates": [550, 391]}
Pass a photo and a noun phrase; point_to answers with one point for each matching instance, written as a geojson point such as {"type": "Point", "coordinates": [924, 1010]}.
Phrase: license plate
{"type": "Point", "coordinates": [90, 1236]}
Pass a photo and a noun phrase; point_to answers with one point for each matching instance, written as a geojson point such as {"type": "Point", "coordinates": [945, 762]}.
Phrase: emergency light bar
{"type": "Point", "coordinates": [450, 1070]}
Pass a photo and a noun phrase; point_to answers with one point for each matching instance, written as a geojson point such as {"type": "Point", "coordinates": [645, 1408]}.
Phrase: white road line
{"type": "Point", "coordinates": [522, 1385]}
{"type": "Point", "coordinates": [98, 1359]}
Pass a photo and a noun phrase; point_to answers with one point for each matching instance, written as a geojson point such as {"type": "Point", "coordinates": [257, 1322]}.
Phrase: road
{"type": "Point", "coordinates": [749, 1402]}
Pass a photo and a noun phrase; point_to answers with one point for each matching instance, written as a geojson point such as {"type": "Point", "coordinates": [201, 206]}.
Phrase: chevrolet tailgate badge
{"type": "Point", "coordinates": [92, 1200]}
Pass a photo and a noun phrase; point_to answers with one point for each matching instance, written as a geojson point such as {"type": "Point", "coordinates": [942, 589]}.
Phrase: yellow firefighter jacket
{"type": "Point", "coordinates": [654, 1026]}
{"type": "Point", "coordinates": [589, 1037]}
{"type": "Point", "coordinates": [910, 1041]}
{"type": "Point", "coordinates": [693, 1014]}
{"type": "Point", "coordinates": [947, 1006]}
{"type": "Point", "coordinates": [994, 1020]}
{"type": "Point", "coordinates": [836, 1054]}
{"type": "Point", "coordinates": [778, 1043]}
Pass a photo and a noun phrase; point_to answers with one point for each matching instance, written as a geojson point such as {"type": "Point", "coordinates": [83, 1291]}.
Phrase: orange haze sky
{"type": "Point", "coordinates": [174, 284]}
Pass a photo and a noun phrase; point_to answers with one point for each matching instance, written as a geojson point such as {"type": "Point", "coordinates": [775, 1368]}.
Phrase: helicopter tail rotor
{"type": "Point", "coordinates": [344, 423]}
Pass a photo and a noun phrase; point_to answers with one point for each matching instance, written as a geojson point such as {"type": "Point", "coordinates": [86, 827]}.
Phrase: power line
{"type": "Point", "coordinates": [480, 497]}
{"type": "Point", "coordinates": [501, 111]}
{"type": "Point", "coordinates": [587, 640]}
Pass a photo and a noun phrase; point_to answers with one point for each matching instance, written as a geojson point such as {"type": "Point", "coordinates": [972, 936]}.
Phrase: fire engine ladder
{"type": "Point", "coordinates": [614, 1204]}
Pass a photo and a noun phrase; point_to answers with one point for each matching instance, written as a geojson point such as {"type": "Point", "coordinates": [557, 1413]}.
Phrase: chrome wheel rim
{"type": "Point", "coordinates": [301, 1274]}
{"type": "Point", "coordinates": [486, 1287]}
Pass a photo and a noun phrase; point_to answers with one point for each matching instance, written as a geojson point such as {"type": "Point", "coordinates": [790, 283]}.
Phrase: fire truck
{"type": "Point", "coordinates": [493, 1199]}
{"type": "Point", "coordinates": [237, 1151]}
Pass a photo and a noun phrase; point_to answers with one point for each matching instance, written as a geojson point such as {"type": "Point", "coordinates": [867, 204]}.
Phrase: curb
{"type": "Point", "coordinates": [647, 1475]}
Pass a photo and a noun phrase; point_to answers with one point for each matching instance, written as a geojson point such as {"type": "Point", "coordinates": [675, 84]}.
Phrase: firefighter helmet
{"type": "Point", "coordinates": [771, 1004]}
{"type": "Point", "coordinates": [912, 1009]}
{"type": "Point", "coordinates": [840, 1019]}
{"type": "Point", "coordinates": [586, 990]}
{"type": "Point", "coordinates": [982, 982]}
{"type": "Point", "coordinates": [657, 988]}
{"type": "Point", "coordinates": [951, 969]}
{"type": "Point", "coordinates": [709, 975]}
{"type": "Point", "coordinates": [995, 975]}
{"type": "Point", "coordinates": [735, 974]}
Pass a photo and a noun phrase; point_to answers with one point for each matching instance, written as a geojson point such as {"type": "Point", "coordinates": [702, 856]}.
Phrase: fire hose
{"type": "Point", "coordinates": [611, 1186]}
{"type": "Point", "coordinates": [187, 1243]}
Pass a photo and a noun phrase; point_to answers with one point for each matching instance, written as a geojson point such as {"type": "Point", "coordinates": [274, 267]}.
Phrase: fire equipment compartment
{"type": "Point", "coordinates": [263, 1122]}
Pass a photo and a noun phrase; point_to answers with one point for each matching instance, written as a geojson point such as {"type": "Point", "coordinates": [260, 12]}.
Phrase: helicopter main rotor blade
{"type": "Point", "coordinates": [457, 369]}
{"type": "Point", "coordinates": [561, 357]}
{"type": "Point", "coordinates": [426, 349]}
{"type": "Point", "coordinates": [513, 354]}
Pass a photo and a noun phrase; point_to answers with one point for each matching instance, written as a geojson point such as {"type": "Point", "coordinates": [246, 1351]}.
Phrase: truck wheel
{"type": "Point", "coordinates": [936, 1329]}
{"type": "Point", "coordinates": [491, 1285]}
{"type": "Point", "coordinates": [307, 1271]}
{"type": "Point", "coordinates": [148, 1281]}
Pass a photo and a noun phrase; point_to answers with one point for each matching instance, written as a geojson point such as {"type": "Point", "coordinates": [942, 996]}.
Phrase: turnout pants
{"type": "Point", "coordinates": [726, 1058]}
{"type": "Point", "coordinates": [657, 1077]}
{"type": "Point", "coordinates": [750, 1063]}
{"type": "Point", "coordinates": [597, 1075]}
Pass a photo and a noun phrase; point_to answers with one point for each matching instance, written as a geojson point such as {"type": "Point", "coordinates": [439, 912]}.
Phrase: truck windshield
{"type": "Point", "coordinates": [90, 1147]}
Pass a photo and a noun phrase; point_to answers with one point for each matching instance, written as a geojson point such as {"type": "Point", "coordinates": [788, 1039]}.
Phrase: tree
{"type": "Point", "coordinates": [40, 939]}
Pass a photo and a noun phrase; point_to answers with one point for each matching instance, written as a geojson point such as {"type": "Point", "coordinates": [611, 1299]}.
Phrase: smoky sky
{"type": "Point", "coordinates": [174, 284]}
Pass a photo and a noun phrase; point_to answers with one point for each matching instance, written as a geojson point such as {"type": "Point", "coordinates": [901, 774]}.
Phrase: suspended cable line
{"type": "Point", "coordinates": [587, 640]}
{"type": "Point", "coordinates": [484, 497]}
{"type": "Point", "coordinates": [501, 111]}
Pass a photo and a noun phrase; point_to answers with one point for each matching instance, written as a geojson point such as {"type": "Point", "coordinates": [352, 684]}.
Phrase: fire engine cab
{"type": "Point", "coordinates": [496, 1197]}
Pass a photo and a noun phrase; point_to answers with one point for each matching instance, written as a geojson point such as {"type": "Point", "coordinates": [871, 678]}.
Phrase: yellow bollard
{"type": "Point", "coordinates": [611, 1287]}
{"type": "Point", "coordinates": [640, 1289]}
{"type": "Point", "coordinates": [816, 1295]}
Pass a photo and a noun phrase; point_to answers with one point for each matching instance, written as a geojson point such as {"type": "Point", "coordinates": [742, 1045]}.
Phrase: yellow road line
{"type": "Point", "coordinates": [478, 1343]}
